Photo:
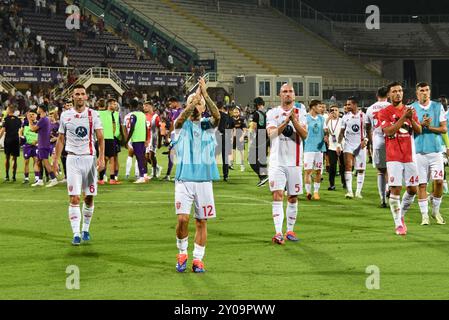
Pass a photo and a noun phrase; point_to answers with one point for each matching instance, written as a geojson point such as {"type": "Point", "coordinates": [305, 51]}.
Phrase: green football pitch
{"type": "Point", "coordinates": [132, 254]}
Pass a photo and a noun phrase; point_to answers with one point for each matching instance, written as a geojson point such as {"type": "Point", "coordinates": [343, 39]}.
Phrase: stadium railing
{"type": "Point", "coordinates": [142, 28]}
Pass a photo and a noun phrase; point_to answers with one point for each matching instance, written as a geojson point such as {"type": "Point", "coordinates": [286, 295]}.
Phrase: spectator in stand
{"type": "Point", "coordinates": [154, 51]}
{"type": "Point", "coordinates": [37, 6]}
{"type": "Point", "coordinates": [65, 61]}
{"type": "Point", "coordinates": [115, 51]}
{"type": "Point", "coordinates": [170, 62]}
{"type": "Point", "coordinates": [52, 8]}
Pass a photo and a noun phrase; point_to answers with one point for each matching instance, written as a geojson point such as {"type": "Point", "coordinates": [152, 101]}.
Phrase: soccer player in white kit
{"type": "Point", "coordinates": [353, 130]}
{"type": "Point", "coordinates": [428, 147]}
{"type": "Point", "coordinates": [78, 128]}
{"type": "Point", "coordinates": [377, 138]}
{"type": "Point", "coordinates": [286, 127]}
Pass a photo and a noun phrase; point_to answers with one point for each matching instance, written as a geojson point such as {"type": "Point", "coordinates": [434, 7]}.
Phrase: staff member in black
{"type": "Point", "coordinates": [258, 145]}
{"type": "Point", "coordinates": [224, 138]}
{"type": "Point", "coordinates": [10, 128]}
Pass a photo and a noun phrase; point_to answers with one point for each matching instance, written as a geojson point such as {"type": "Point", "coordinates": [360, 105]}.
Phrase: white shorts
{"type": "Point", "coordinates": [313, 160]}
{"type": "Point", "coordinates": [359, 157]}
{"type": "Point", "coordinates": [430, 167]}
{"type": "Point", "coordinates": [200, 193]}
{"type": "Point", "coordinates": [380, 158]}
{"type": "Point", "coordinates": [280, 177]}
{"type": "Point", "coordinates": [81, 175]}
{"type": "Point", "coordinates": [399, 172]}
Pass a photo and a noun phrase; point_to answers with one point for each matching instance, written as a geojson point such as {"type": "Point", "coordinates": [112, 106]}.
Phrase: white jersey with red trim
{"type": "Point", "coordinates": [79, 130]}
{"type": "Point", "coordinates": [127, 122]}
{"type": "Point", "coordinates": [371, 118]}
{"type": "Point", "coordinates": [354, 126]}
{"type": "Point", "coordinates": [285, 151]}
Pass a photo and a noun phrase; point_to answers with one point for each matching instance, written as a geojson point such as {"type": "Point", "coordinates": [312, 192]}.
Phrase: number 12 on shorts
{"type": "Point", "coordinates": [208, 211]}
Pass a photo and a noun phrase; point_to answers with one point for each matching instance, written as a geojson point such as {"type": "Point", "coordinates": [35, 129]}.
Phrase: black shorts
{"type": "Point", "coordinates": [109, 148]}
{"type": "Point", "coordinates": [117, 146]}
{"type": "Point", "coordinates": [12, 148]}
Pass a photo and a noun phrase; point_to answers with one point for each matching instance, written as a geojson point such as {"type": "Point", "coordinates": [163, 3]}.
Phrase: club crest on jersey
{"type": "Point", "coordinates": [178, 205]}
{"type": "Point", "coordinates": [355, 128]}
{"type": "Point", "coordinates": [81, 132]}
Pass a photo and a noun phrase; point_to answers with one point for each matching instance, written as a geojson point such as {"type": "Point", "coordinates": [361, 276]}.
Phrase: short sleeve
{"type": "Point", "coordinates": [271, 122]}
{"type": "Point", "coordinates": [368, 117]}
{"type": "Point", "coordinates": [62, 126]}
{"type": "Point", "coordinates": [383, 118]}
{"type": "Point", "coordinates": [96, 121]}
{"type": "Point", "coordinates": [343, 122]}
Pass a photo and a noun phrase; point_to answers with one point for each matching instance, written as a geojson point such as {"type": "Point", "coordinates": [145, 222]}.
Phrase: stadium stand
{"type": "Point", "coordinates": [393, 39]}
{"type": "Point", "coordinates": [250, 39]}
{"type": "Point", "coordinates": [91, 52]}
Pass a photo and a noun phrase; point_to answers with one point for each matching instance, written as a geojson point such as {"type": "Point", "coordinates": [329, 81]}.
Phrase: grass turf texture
{"type": "Point", "coordinates": [133, 248]}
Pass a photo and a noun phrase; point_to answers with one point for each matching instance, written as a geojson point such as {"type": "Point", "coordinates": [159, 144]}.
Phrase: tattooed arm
{"type": "Point", "coordinates": [212, 106]}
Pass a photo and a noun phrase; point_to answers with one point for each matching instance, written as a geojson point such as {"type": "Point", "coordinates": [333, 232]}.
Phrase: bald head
{"type": "Point", "coordinates": [287, 94]}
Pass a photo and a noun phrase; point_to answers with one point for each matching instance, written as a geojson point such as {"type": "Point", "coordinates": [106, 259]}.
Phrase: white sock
{"type": "Point", "coordinates": [316, 187]}
{"type": "Point", "coordinates": [308, 188]}
{"type": "Point", "coordinates": [129, 164]}
{"type": "Point", "coordinates": [424, 207]}
{"type": "Point", "coordinates": [278, 215]}
{"type": "Point", "coordinates": [198, 252]}
{"type": "Point", "coordinates": [407, 201]}
{"type": "Point", "coordinates": [136, 169]}
{"type": "Point", "coordinates": [87, 215]}
{"type": "Point", "coordinates": [348, 178]}
{"type": "Point", "coordinates": [436, 203]}
{"type": "Point", "coordinates": [182, 245]}
{"type": "Point", "coordinates": [395, 207]}
{"type": "Point", "coordinates": [292, 213]}
{"type": "Point", "coordinates": [360, 180]}
{"type": "Point", "coordinates": [381, 186]}
{"type": "Point", "coordinates": [75, 219]}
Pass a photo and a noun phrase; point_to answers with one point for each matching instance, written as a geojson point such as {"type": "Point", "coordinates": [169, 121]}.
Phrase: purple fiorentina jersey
{"type": "Point", "coordinates": [44, 132]}
{"type": "Point", "coordinates": [174, 113]}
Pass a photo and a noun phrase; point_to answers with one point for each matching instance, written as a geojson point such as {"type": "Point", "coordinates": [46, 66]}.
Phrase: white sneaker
{"type": "Point", "coordinates": [349, 195]}
{"type": "Point", "coordinates": [425, 221]}
{"type": "Point", "coordinates": [39, 183]}
{"type": "Point", "coordinates": [63, 181]}
{"type": "Point", "coordinates": [140, 180]}
{"type": "Point", "coordinates": [358, 195]}
{"type": "Point", "coordinates": [52, 183]}
{"type": "Point", "coordinates": [439, 218]}
{"type": "Point", "coordinates": [242, 168]}
{"type": "Point", "coordinates": [158, 171]}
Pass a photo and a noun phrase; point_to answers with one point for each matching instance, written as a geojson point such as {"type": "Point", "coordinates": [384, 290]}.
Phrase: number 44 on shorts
{"type": "Point", "coordinates": [414, 180]}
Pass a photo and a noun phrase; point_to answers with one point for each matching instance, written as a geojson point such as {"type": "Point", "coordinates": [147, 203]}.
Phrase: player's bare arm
{"type": "Point", "coordinates": [186, 113]}
{"type": "Point", "coordinates": [58, 150]}
{"type": "Point", "coordinates": [300, 129]}
{"type": "Point", "coordinates": [442, 129]}
{"type": "Point", "coordinates": [273, 132]}
{"type": "Point", "coordinates": [393, 129]}
{"type": "Point", "coordinates": [210, 104]}
{"type": "Point", "coordinates": [417, 128]}
{"type": "Point", "coordinates": [100, 139]}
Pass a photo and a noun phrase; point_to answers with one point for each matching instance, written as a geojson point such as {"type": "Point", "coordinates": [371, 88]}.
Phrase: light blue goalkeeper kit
{"type": "Point", "coordinates": [428, 142]}
{"type": "Point", "coordinates": [315, 135]}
